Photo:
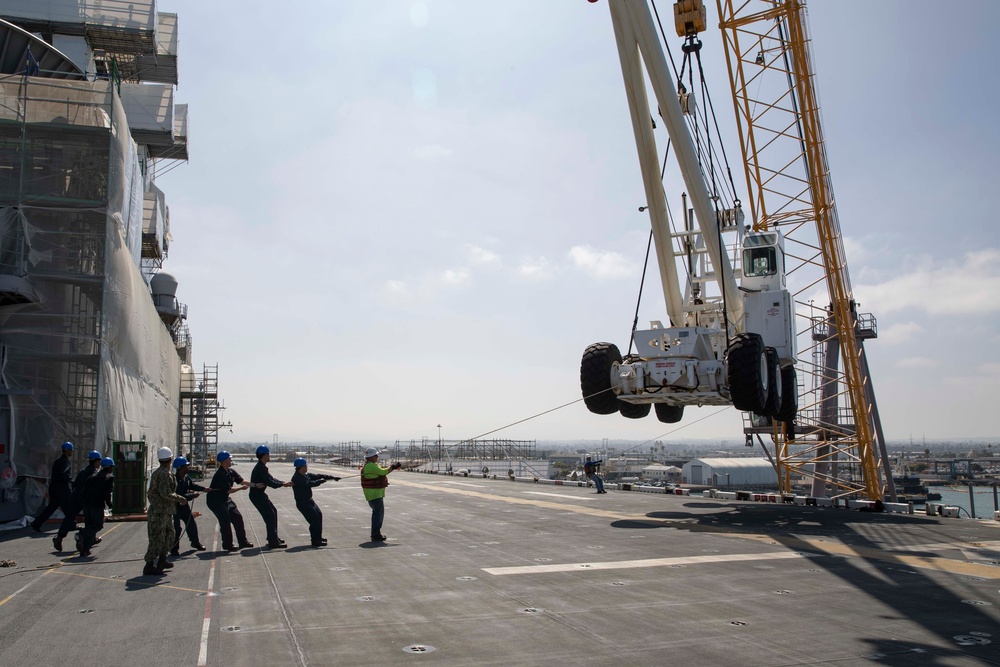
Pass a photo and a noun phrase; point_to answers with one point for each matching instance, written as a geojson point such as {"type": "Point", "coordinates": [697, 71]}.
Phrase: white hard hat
{"type": "Point", "coordinates": [370, 452]}
{"type": "Point", "coordinates": [164, 453]}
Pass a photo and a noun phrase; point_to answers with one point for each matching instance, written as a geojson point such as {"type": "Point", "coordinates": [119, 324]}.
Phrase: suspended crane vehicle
{"type": "Point", "coordinates": [731, 337]}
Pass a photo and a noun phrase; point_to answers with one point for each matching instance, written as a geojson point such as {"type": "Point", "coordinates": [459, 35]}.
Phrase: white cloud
{"type": "Point", "coordinates": [395, 287]}
{"type": "Point", "coordinates": [535, 269]}
{"type": "Point", "coordinates": [600, 264]}
{"type": "Point", "coordinates": [971, 287]}
{"type": "Point", "coordinates": [855, 250]}
{"type": "Point", "coordinates": [917, 362]}
{"type": "Point", "coordinates": [479, 255]}
{"type": "Point", "coordinates": [456, 276]}
{"type": "Point", "coordinates": [900, 332]}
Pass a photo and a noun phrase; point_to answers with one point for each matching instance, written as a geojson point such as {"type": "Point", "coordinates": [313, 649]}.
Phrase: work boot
{"type": "Point", "coordinates": [98, 540]}
{"type": "Point", "coordinates": [231, 548]}
{"type": "Point", "coordinates": [246, 545]}
{"type": "Point", "coordinates": [150, 570]}
{"type": "Point", "coordinates": [36, 527]}
{"type": "Point", "coordinates": [198, 546]}
{"type": "Point", "coordinates": [277, 545]}
{"type": "Point", "coordinates": [57, 543]}
{"type": "Point", "coordinates": [164, 564]}
{"type": "Point", "coordinates": [175, 553]}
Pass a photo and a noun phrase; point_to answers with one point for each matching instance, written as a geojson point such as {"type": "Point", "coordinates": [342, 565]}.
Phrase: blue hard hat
{"type": "Point", "coordinates": [298, 463]}
{"type": "Point", "coordinates": [180, 462]}
{"type": "Point", "coordinates": [107, 462]}
{"type": "Point", "coordinates": [67, 445]}
{"type": "Point", "coordinates": [222, 456]}
{"type": "Point", "coordinates": [263, 449]}
{"type": "Point", "coordinates": [94, 455]}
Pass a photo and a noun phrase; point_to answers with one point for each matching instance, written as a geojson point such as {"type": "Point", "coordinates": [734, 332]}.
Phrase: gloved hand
{"type": "Point", "coordinates": [397, 465]}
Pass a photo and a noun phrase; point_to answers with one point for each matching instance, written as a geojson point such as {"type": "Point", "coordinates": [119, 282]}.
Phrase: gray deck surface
{"type": "Point", "coordinates": [493, 572]}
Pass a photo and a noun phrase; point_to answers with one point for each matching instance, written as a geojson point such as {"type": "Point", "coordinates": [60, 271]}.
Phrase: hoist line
{"type": "Point", "coordinates": [645, 264]}
{"type": "Point", "coordinates": [565, 405]}
{"type": "Point", "coordinates": [715, 121]}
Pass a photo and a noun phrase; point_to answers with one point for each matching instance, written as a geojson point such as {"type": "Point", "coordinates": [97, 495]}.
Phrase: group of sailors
{"type": "Point", "coordinates": [170, 492]}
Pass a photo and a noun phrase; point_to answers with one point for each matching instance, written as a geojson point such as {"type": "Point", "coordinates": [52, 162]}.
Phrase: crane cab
{"type": "Point", "coordinates": [769, 308]}
{"type": "Point", "coordinates": [763, 261]}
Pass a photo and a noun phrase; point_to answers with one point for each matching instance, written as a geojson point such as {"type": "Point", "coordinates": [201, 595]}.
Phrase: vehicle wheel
{"type": "Point", "coordinates": [633, 410]}
{"type": "Point", "coordinates": [598, 362]}
{"type": "Point", "coordinates": [789, 395]}
{"type": "Point", "coordinates": [669, 414]}
{"type": "Point", "coordinates": [774, 389]}
{"type": "Point", "coordinates": [746, 367]}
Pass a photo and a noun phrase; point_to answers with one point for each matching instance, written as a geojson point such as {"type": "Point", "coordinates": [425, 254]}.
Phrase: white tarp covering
{"type": "Point", "coordinates": [91, 361]}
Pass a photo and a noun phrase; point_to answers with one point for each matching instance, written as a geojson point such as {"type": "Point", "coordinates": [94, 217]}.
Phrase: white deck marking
{"type": "Point", "coordinates": [646, 562]}
{"type": "Point", "coordinates": [475, 486]}
{"type": "Point", "coordinates": [206, 622]}
{"type": "Point", "coordinates": [560, 496]}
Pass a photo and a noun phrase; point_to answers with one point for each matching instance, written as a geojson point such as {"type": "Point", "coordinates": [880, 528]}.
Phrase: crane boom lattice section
{"type": "Point", "coordinates": [789, 186]}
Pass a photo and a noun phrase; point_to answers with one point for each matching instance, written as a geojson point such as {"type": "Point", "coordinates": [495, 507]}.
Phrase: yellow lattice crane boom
{"type": "Point", "coordinates": [789, 187]}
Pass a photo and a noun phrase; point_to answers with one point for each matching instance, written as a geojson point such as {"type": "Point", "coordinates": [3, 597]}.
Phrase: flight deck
{"type": "Point", "coordinates": [493, 572]}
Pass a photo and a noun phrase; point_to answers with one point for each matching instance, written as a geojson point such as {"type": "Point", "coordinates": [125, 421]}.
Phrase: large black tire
{"type": "Point", "coordinates": [747, 371]}
{"type": "Point", "coordinates": [595, 378]}
{"type": "Point", "coordinates": [669, 414]}
{"type": "Point", "coordinates": [789, 395]}
{"type": "Point", "coordinates": [633, 410]}
{"type": "Point", "coordinates": [774, 389]}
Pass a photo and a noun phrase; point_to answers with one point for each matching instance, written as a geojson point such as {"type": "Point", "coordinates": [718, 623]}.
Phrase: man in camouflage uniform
{"type": "Point", "coordinates": [163, 500]}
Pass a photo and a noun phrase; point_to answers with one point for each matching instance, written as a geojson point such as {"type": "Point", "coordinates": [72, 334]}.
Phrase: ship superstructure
{"type": "Point", "coordinates": [93, 339]}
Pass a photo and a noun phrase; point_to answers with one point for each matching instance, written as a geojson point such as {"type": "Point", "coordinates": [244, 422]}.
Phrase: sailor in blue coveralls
{"type": "Point", "coordinates": [261, 479]}
{"type": "Point", "coordinates": [222, 505]}
{"type": "Point", "coordinates": [188, 488]}
{"type": "Point", "coordinates": [303, 482]}
{"type": "Point", "coordinates": [76, 502]}
{"type": "Point", "coordinates": [60, 489]}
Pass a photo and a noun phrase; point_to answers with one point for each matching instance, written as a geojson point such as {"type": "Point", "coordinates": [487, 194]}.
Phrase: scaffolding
{"type": "Point", "coordinates": [201, 416]}
{"type": "Point", "coordinates": [82, 343]}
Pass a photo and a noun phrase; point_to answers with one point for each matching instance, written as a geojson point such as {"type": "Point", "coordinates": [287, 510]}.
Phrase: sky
{"type": "Point", "coordinates": [412, 213]}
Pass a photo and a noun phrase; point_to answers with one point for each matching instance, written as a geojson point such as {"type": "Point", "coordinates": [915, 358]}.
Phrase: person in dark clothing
{"type": "Point", "coordinates": [76, 501]}
{"type": "Point", "coordinates": [591, 468]}
{"type": "Point", "coordinates": [261, 479]}
{"type": "Point", "coordinates": [225, 510]}
{"type": "Point", "coordinates": [303, 482]}
{"type": "Point", "coordinates": [188, 488]}
{"type": "Point", "coordinates": [60, 489]}
{"type": "Point", "coordinates": [96, 495]}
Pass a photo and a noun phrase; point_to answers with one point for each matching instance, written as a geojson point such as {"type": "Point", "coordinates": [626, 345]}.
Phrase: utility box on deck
{"type": "Point", "coordinates": [130, 477]}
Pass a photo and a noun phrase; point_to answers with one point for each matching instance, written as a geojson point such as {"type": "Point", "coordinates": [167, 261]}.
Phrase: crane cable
{"type": "Point", "coordinates": [645, 264]}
